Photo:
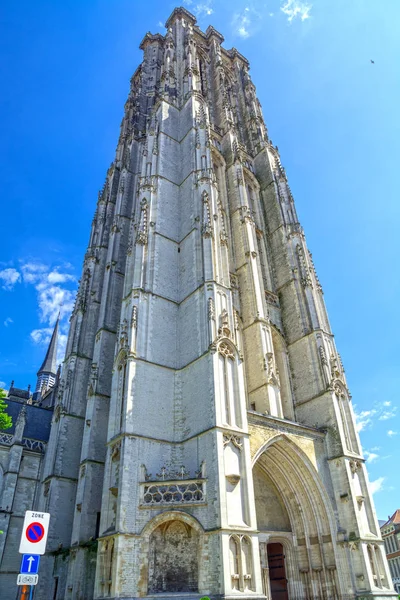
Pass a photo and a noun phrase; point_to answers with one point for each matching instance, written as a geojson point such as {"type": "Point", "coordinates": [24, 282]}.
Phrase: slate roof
{"type": "Point", "coordinates": [38, 420]}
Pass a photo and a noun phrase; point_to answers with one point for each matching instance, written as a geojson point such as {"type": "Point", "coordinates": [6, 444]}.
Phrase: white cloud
{"type": "Point", "coordinates": [296, 8]}
{"type": "Point", "coordinates": [56, 277]}
{"type": "Point", "coordinates": [200, 8]}
{"type": "Point", "coordinates": [377, 485]}
{"type": "Point", "coordinates": [388, 414]}
{"type": "Point", "coordinates": [370, 456]}
{"type": "Point", "coordinates": [52, 296]}
{"type": "Point", "coordinates": [364, 419]}
{"type": "Point", "coordinates": [160, 24]}
{"type": "Point", "coordinates": [42, 336]}
{"type": "Point", "coordinates": [391, 433]}
{"type": "Point", "coordinates": [380, 412]}
{"type": "Point", "coordinates": [55, 294]}
{"type": "Point", "coordinates": [244, 23]}
{"type": "Point", "coordinates": [9, 277]}
{"type": "Point", "coordinates": [52, 300]}
{"type": "Point", "coordinates": [8, 321]}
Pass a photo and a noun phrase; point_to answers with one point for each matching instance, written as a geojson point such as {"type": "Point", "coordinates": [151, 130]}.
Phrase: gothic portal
{"type": "Point", "coordinates": [203, 441]}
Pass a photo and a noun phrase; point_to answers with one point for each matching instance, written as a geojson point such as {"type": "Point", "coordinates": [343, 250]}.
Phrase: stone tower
{"type": "Point", "coordinates": [203, 442]}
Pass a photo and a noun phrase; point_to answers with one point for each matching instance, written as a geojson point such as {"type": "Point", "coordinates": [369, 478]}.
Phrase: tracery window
{"type": "Point", "coordinates": [377, 566]}
{"type": "Point", "coordinates": [241, 562]}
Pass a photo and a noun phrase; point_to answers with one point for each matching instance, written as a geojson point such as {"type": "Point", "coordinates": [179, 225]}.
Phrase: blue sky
{"type": "Point", "coordinates": [334, 115]}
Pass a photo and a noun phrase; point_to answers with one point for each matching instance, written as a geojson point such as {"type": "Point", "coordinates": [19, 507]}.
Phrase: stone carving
{"type": "Point", "coordinates": [304, 268]}
{"type": "Point", "coordinates": [207, 226]}
{"type": "Point", "coordinates": [226, 350]}
{"type": "Point", "coordinates": [142, 231]}
{"type": "Point", "coordinates": [224, 329]}
{"type": "Point", "coordinates": [186, 493]}
{"type": "Point", "coordinates": [235, 440]}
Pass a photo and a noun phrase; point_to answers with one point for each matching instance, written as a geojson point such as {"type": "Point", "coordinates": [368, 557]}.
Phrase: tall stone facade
{"type": "Point", "coordinates": [203, 442]}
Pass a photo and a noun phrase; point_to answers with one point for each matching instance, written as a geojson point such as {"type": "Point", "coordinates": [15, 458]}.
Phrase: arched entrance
{"type": "Point", "coordinates": [296, 525]}
{"type": "Point", "coordinates": [173, 558]}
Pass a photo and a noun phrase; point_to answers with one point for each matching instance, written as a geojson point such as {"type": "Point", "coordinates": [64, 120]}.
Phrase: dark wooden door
{"type": "Point", "coordinates": [277, 572]}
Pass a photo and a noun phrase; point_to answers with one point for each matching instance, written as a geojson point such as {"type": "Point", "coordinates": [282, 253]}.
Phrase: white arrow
{"type": "Point", "coordinates": [30, 561]}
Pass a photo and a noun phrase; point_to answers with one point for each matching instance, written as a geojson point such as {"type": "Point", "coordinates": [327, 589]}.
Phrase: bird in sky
{"type": "Point", "coordinates": [372, 61]}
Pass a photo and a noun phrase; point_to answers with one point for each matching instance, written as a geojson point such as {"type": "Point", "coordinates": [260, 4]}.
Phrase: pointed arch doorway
{"type": "Point", "coordinates": [293, 516]}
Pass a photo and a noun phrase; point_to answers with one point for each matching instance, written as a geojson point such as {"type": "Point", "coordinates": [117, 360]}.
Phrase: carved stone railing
{"type": "Point", "coordinates": [6, 438]}
{"type": "Point", "coordinates": [173, 486]}
{"type": "Point", "coordinates": [191, 491]}
{"type": "Point", "coordinates": [35, 445]}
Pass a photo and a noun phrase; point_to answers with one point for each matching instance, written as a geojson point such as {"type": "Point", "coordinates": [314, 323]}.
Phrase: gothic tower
{"type": "Point", "coordinates": [203, 441]}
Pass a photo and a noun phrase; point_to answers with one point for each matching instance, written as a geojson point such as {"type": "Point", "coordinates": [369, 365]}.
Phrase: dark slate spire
{"type": "Point", "coordinates": [50, 361]}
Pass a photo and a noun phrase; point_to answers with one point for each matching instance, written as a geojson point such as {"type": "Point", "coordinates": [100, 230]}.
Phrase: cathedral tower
{"type": "Point", "coordinates": [203, 441]}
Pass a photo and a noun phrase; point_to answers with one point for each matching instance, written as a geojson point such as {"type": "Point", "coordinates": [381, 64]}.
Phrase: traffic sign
{"type": "Point", "coordinates": [24, 579]}
{"type": "Point", "coordinates": [30, 563]}
{"type": "Point", "coordinates": [34, 533]}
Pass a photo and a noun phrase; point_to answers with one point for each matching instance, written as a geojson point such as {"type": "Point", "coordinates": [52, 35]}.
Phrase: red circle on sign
{"type": "Point", "coordinates": [34, 532]}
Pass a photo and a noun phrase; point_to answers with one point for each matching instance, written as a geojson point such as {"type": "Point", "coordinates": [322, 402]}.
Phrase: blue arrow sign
{"type": "Point", "coordinates": [30, 564]}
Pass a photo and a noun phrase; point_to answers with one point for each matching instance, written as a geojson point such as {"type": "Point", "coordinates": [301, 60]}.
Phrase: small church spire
{"type": "Point", "coordinates": [46, 375]}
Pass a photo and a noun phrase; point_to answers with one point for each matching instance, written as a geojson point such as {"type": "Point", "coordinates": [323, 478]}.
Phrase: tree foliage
{"type": "Point", "coordinates": [5, 419]}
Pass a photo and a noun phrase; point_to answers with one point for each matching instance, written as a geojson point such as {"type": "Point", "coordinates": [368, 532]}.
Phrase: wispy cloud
{"type": "Point", "coordinates": [9, 277]}
{"type": "Point", "coordinates": [377, 485]}
{"type": "Point", "coordinates": [370, 456]}
{"type": "Point", "coordinates": [388, 414]}
{"type": "Point", "coordinates": [294, 9]}
{"type": "Point", "coordinates": [391, 433]}
{"type": "Point", "coordinates": [55, 288]}
{"type": "Point", "coordinates": [364, 419]}
{"type": "Point", "coordinates": [381, 411]}
{"type": "Point", "coordinates": [52, 296]}
{"type": "Point", "coordinates": [246, 22]}
{"type": "Point", "coordinates": [200, 9]}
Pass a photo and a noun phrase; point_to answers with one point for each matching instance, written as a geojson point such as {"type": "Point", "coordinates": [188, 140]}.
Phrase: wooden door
{"type": "Point", "coordinates": [277, 572]}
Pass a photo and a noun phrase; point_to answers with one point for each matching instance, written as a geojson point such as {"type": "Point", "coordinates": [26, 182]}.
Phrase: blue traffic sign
{"type": "Point", "coordinates": [30, 564]}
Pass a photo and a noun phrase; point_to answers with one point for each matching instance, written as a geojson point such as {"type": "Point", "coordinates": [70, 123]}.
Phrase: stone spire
{"type": "Point", "coordinates": [46, 375]}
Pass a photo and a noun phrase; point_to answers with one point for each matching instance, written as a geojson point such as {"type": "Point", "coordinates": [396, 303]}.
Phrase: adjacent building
{"type": "Point", "coordinates": [390, 531]}
{"type": "Point", "coordinates": [22, 451]}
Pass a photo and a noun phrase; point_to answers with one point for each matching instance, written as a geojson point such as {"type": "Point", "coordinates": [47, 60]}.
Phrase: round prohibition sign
{"type": "Point", "coordinates": [34, 532]}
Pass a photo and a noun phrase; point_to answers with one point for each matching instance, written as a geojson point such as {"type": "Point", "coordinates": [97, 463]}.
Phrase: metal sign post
{"type": "Point", "coordinates": [32, 546]}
